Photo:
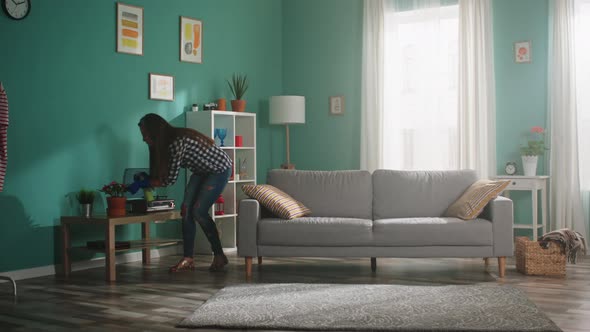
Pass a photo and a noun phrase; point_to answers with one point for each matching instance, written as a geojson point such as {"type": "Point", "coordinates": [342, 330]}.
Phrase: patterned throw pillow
{"type": "Point", "coordinates": [475, 198]}
{"type": "Point", "coordinates": [276, 201]}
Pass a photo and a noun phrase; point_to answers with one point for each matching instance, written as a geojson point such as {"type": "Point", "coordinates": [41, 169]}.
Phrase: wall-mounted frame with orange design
{"type": "Point", "coordinates": [129, 29]}
{"type": "Point", "coordinates": [522, 52]}
{"type": "Point", "coordinates": [191, 40]}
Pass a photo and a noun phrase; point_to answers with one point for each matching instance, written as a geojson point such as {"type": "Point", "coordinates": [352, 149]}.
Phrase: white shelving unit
{"type": "Point", "coordinates": [237, 124]}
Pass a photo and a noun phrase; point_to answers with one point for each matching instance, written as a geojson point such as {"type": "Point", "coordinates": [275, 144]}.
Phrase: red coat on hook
{"type": "Point", "coordinates": [3, 135]}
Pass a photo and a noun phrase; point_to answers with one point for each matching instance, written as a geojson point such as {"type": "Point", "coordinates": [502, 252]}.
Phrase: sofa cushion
{"type": "Point", "coordinates": [315, 231]}
{"type": "Point", "coordinates": [279, 203]}
{"type": "Point", "coordinates": [417, 232]}
{"type": "Point", "coordinates": [347, 194]}
{"type": "Point", "coordinates": [407, 194]}
{"type": "Point", "coordinates": [475, 198]}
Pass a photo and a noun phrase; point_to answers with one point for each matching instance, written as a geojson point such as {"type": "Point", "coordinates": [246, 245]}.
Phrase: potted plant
{"type": "Point", "coordinates": [534, 148]}
{"type": "Point", "coordinates": [86, 199]}
{"type": "Point", "coordinates": [238, 87]}
{"type": "Point", "coordinates": [116, 199]}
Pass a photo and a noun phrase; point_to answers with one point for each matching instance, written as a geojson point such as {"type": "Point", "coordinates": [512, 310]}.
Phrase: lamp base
{"type": "Point", "coordinates": [287, 166]}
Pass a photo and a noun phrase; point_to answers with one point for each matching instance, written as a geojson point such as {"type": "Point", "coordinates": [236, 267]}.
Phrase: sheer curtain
{"type": "Point", "coordinates": [372, 86]}
{"type": "Point", "coordinates": [565, 198]}
{"type": "Point", "coordinates": [582, 56]}
{"type": "Point", "coordinates": [477, 92]}
{"type": "Point", "coordinates": [428, 85]}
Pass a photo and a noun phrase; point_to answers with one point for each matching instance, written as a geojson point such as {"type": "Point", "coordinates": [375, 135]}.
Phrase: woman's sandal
{"type": "Point", "coordinates": [183, 265]}
{"type": "Point", "coordinates": [219, 261]}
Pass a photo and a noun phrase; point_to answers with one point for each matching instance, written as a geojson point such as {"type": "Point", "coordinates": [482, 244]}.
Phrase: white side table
{"type": "Point", "coordinates": [532, 184]}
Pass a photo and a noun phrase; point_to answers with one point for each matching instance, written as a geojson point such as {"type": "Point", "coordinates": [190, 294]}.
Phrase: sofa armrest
{"type": "Point", "coordinates": [500, 212]}
{"type": "Point", "coordinates": [248, 228]}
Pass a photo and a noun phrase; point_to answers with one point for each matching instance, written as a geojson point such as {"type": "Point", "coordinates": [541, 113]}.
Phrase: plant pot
{"type": "Point", "coordinates": [86, 210]}
{"type": "Point", "coordinates": [116, 206]}
{"type": "Point", "coordinates": [238, 105]}
{"type": "Point", "coordinates": [529, 164]}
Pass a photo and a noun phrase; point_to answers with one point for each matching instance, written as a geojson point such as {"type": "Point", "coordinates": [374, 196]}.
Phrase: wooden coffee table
{"type": "Point", "coordinates": [109, 249]}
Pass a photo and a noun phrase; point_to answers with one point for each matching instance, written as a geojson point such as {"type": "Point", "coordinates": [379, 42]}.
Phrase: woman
{"type": "Point", "coordinates": [172, 148]}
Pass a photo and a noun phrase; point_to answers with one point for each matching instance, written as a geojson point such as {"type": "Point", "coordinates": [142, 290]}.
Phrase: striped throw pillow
{"type": "Point", "coordinates": [475, 198]}
{"type": "Point", "coordinates": [276, 201]}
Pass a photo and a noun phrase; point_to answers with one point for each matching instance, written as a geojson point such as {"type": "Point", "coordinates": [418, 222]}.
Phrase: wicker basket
{"type": "Point", "coordinates": [532, 259]}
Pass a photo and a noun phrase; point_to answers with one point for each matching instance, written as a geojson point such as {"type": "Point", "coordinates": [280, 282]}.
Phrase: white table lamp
{"type": "Point", "coordinates": [287, 110]}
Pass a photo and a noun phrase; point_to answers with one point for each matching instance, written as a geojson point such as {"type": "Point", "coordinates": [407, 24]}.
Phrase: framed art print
{"type": "Point", "coordinates": [337, 105]}
{"type": "Point", "coordinates": [129, 29]}
{"type": "Point", "coordinates": [191, 40]}
{"type": "Point", "coordinates": [522, 52]}
{"type": "Point", "coordinates": [161, 87]}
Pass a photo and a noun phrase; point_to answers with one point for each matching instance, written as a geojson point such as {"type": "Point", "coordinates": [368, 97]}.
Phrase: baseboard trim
{"type": "Point", "coordinates": [47, 270]}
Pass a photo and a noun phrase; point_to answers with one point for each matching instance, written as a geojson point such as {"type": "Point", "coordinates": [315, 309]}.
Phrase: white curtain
{"type": "Point", "coordinates": [428, 89]}
{"type": "Point", "coordinates": [477, 93]}
{"type": "Point", "coordinates": [565, 198]}
{"type": "Point", "coordinates": [582, 57]}
{"type": "Point", "coordinates": [372, 86]}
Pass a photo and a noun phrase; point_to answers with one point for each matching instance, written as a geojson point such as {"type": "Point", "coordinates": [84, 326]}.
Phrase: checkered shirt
{"type": "Point", "coordinates": [197, 156]}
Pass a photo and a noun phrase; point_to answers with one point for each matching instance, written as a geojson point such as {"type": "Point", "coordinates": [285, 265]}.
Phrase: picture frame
{"type": "Point", "coordinates": [129, 29]}
{"type": "Point", "coordinates": [161, 87]}
{"type": "Point", "coordinates": [191, 40]}
{"type": "Point", "coordinates": [337, 105]}
{"type": "Point", "coordinates": [522, 52]}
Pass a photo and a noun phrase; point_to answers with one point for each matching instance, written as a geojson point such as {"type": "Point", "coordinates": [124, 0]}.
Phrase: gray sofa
{"type": "Point", "coordinates": [385, 214]}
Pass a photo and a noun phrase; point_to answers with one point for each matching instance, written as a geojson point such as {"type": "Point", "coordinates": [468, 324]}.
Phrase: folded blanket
{"type": "Point", "coordinates": [572, 243]}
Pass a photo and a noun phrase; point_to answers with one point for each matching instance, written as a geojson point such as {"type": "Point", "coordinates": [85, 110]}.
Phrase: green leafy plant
{"type": "Point", "coordinates": [238, 85]}
{"type": "Point", "coordinates": [85, 196]}
{"type": "Point", "coordinates": [114, 189]}
{"type": "Point", "coordinates": [535, 144]}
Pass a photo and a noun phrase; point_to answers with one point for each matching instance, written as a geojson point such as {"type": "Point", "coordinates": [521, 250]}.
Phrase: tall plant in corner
{"type": "Point", "coordinates": [238, 87]}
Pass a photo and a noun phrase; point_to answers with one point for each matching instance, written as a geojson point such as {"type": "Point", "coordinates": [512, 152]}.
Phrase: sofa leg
{"type": "Point", "coordinates": [487, 261]}
{"type": "Point", "coordinates": [248, 266]}
{"type": "Point", "coordinates": [373, 264]}
{"type": "Point", "coordinates": [501, 266]}
{"type": "Point", "coordinates": [259, 260]}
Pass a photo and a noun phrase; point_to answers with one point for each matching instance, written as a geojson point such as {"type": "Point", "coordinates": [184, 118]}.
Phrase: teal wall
{"type": "Point", "coordinates": [322, 54]}
{"type": "Point", "coordinates": [521, 89]}
{"type": "Point", "coordinates": [75, 102]}
{"type": "Point", "coordinates": [322, 57]}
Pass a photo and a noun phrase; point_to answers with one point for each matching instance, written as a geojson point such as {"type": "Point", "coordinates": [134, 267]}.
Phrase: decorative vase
{"type": "Point", "coordinates": [238, 105]}
{"type": "Point", "coordinates": [116, 206]}
{"type": "Point", "coordinates": [86, 210]}
{"type": "Point", "coordinates": [529, 164]}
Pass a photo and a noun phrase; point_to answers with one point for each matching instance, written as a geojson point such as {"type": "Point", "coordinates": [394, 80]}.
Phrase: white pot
{"type": "Point", "coordinates": [529, 164]}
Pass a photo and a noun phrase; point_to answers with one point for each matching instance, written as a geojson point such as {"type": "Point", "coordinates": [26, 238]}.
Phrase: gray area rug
{"type": "Point", "coordinates": [484, 307]}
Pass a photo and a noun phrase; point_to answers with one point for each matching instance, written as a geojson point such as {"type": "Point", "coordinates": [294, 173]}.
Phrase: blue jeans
{"type": "Point", "coordinates": [201, 193]}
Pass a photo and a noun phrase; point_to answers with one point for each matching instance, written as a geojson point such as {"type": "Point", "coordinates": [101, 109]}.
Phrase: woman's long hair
{"type": "Point", "coordinates": [162, 134]}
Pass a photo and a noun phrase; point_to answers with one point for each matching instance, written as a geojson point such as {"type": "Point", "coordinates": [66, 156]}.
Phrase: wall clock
{"type": "Point", "coordinates": [510, 168]}
{"type": "Point", "coordinates": [16, 9]}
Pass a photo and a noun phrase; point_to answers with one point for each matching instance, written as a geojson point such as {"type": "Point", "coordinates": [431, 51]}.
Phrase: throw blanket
{"type": "Point", "coordinates": [571, 242]}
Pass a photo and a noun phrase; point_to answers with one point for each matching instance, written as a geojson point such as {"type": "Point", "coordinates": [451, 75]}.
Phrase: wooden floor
{"type": "Point", "coordinates": [148, 298]}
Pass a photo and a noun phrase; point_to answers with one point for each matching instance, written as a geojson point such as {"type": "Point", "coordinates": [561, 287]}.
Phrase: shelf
{"type": "Point", "coordinates": [236, 148]}
{"type": "Point", "coordinates": [225, 216]}
{"type": "Point", "coordinates": [521, 226]}
{"type": "Point", "coordinates": [241, 181]}
{"type": "Point", "coordinates": [137, 244]}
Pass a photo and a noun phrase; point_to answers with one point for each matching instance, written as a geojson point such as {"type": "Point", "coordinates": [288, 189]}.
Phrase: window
{"type": "Point", "coordinates": [420, 122]}
{"type": "Point", "coordinates": [582, 56]}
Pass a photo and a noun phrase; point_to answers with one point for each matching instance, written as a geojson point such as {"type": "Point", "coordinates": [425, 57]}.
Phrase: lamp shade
{"type": "Point", "coordinates": [287, 109]}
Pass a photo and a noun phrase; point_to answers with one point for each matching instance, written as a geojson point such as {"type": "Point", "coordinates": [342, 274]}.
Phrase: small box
{"type": "Point", "coordinates": [532, 259]}
{"type": "Point", "coordinates": [239, 141]}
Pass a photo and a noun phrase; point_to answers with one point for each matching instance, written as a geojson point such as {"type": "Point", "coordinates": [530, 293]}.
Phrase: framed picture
{"type": "Point", "coordinates": [129, 29]}
{"type": "Point", "coordinates": [522, 52]}
{"type": "Point", "coordinates": [337, 105]}
{"type": "Point", "coordinates": [161, 87]}
{"type": "Point", "coordinates": [191, 40]}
